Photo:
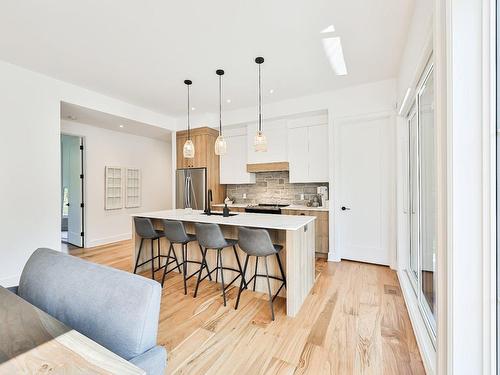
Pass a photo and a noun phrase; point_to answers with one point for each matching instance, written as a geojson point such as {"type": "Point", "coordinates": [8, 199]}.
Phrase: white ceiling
{"type": "Point", "coordinates": [72, 112]}
{"type": "Point", "coordinates": [141, 51]}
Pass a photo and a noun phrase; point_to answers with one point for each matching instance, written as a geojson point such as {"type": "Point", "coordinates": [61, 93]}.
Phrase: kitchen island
{"type": "Point", "coordinates": [295, 233]}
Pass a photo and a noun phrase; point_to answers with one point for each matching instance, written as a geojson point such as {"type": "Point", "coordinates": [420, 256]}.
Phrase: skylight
{"type": "Point", "coordinates": [333, 50]}
{"type": "Point", "coordinates": [329, 29]}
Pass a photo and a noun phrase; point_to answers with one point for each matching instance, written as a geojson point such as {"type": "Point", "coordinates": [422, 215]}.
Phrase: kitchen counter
{"type": "Point", "coordinates": [290, 207]}
{"type": "Point", "coordinates": [241, 219]}
{"type": "Point", "coordinates": [295, 233]}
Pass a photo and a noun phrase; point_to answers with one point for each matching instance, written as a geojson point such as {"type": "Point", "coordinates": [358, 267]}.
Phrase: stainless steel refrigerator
{"type": "Point", "coordinates": [191, 188]}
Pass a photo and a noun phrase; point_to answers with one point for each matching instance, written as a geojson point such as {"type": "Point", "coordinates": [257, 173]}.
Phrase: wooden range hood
{"type": "Point", "coordinates": [268, 167]}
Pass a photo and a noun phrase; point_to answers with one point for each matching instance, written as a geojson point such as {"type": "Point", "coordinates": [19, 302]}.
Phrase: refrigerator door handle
{"type": "Point", "coordinates": [185, 192]}
{"type": "Point", "coordinates": [188, 193]}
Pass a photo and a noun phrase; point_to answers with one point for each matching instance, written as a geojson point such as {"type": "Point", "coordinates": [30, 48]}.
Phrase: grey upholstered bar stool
{"type": "Point", "coordinates": [210, 237]}
{"type": "Point", "coordinates": [257, 243]}
{"type": "Point", "coordinates": [176, 234]}
{"type": "Point", "coordinates": [145, 229]}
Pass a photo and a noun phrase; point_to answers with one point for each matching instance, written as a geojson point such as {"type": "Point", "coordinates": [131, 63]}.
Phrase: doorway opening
{"type": "Point", "coordinates": [72, 189]}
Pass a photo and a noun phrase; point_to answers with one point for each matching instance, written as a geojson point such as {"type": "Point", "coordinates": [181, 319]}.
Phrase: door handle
{"type": "Point", "coordinates": [344, 208]}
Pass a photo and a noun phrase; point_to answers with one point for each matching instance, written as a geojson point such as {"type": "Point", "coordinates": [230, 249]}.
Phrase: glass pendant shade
{"type": "Point", "coordinates": [260, 142]}
{"type": "Point", "coordinates": [220, 145]}
{"type": "Point", "coordinates": [188, 149]}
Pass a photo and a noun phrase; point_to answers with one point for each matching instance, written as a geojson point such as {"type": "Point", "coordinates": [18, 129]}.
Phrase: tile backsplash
{"type": "Point", "coordinates": [273, 187]}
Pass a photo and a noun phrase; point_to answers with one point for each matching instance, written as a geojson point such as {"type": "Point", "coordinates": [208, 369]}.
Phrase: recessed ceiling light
{"type": "Point", "coordinates": [228, 100]}
{"type": "Point", "coordinates": [121, 126]}
{"type": "Point", "coordinates": [70, 117]}
{"type": "Point", "coordinates": [333, 50]}
{"type": "Point", "coordinates": [193, 109]}
{"type": "Point", "coordinates": [328, 29]}
{"type": "Point", "coordinates": [271, 91]}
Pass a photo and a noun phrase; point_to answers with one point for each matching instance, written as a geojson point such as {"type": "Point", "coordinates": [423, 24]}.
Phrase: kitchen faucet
{"type": "Point", "coordinates": [208, 210]}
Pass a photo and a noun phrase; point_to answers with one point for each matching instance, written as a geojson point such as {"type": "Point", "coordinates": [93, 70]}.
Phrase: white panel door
{"type": "Point", "coordinates": [318, 153]}
{"type": "Point", "coordinates": [233, 165]}
{"type": "Point", "coordinates": [363, 176]}
{"type": "Point", "coordinates": [75, 198]}
{"type": "Point", "coordinates": [298, 146]}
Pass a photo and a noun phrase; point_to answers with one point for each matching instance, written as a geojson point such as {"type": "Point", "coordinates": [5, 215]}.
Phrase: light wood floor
{"type": "Point", "coordinates": [353, 322]}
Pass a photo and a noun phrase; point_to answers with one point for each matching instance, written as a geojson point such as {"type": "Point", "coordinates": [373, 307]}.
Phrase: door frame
{"type": "Point", "coordinates": [391, 116]}
{"type": "Point", "coordinates": [83, 181]}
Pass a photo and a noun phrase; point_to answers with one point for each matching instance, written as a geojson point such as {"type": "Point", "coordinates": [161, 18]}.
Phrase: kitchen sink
{"type": "Point", "coordinates": [217, 214]}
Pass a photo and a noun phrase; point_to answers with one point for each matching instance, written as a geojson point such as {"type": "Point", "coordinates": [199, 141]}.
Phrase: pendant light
{"type": "Point", "coordinates": [260, 141]}
{"type": "Point", "coordinates": [188, 149]}
{"type": "Point", "coordinates": [220, 142]}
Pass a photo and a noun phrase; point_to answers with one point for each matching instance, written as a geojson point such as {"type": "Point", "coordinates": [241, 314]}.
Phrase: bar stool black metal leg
{"type": "Point", "coordinates": [217, 268]}
{"type": "Point", "coordinates": [256, 266]}
{"type": "Point", "coordinates": [152, 259]}
{"type": "Point", "coordinates": [219, 254]}
{"type": "Point", "coordinates": [239, 265]}
{"type": "Point", "coordinates": [166, 265]}
{"type": "Point", "coordinates": [205, 265]}
{"type": "Point", "coordinates": [269, 289]}
{"type": "Point", "coordinates": [241, 284]}
{"type": "Point", "coordinates": [203, 261]}
{"type": "Point", "coordinates": [178, 266]}
{"type": "Point", "coordinates": [159, 257]}
{"type": "Point", "coordinates": [184, 266]}
{"type": "Point", "coordinates": [138, 255]}
{"type": "Point", "coordinates": [281, 268]}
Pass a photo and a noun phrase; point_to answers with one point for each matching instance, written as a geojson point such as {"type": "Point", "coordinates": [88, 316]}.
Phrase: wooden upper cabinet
{"type": "Point", "coordinates": [204, 143]}
{"type": "Point", "coordinates": [204, 157]}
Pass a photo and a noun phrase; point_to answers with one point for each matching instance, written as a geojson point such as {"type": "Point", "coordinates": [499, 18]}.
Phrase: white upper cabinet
{"type": "Point", "coordinates": [318, 153]}
{"type": "Point", "coordinates": [233, 164]}
{"type": "Point", "coordinates": [276, 135]}
{"type": "Point", "coordinates": [308, 150]}
{"type": "Point", "coordinates": [298, 160]}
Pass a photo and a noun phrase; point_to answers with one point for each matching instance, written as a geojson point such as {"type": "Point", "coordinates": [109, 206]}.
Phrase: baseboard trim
{"type": "Point", "coordinates": [7, 282]}
{"type": "Point", "coordinates": [332, 257]}
{"type": "Point", "coordinates": [425, 345]}
{"type": "Point", "coordinates": [108, 240]}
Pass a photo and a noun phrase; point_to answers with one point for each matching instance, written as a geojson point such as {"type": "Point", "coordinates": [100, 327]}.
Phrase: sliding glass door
{"type": "Point", "coordinates": [428, 206]}
{"type": "Point", "coordinates": [421, 264]}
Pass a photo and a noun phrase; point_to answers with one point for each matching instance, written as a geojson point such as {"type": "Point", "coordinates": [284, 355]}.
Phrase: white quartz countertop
{"type": "Point", "coordinates": [242, 219]}
{"type": "Point", "coordinates": [291, 207]}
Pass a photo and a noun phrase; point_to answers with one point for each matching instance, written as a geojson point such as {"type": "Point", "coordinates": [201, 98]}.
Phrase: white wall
{"type": "Point", "coordinates": [104, 147]}
{"type": "Point", "coordinates": [30, 159]}
{"type": "Point", "coordinates": [418, 45]}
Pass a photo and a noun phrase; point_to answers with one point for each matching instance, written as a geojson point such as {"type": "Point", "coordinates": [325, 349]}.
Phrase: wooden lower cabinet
{"type": "Point", "coordinates": [322, 228]}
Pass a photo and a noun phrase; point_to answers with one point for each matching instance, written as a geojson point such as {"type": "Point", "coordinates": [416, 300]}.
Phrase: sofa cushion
{"type": "Point", "coordinates": [117, 309]}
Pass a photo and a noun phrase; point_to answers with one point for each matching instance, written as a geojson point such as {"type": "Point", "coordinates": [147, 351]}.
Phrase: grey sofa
{"type": "Point", "coordinates": [119, 310]}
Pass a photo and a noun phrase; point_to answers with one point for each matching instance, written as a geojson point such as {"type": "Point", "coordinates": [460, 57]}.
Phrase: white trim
{"type": "Point", "coordinates": [7, 282]}
{"type": "Point", "coordinates": [489, 188]}
{"type": "Point", "coordinates": [333, 255]}
{"type": "Point", "coordinates": [442, 27]}
{"type": "Point", "coordinates": [425, 345]}
{"type": "Point", "coordinates": [110, 239]}
{"type": "Point", "coordinates": [174, 167]}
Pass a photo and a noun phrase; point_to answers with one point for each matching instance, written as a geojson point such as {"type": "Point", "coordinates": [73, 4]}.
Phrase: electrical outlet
{"type": "Point", "coordinates": [301, 197]}
{"type": "Point", "coordinates": [244, 195]}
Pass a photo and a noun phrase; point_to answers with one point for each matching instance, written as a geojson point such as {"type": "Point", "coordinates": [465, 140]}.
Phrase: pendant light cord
{"type": "Point", "coordinates": [260, 102]}
{"type": "Point", "coordinates": [189, 122]}
{"type": "Point", "coordinates": [220, 104]}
